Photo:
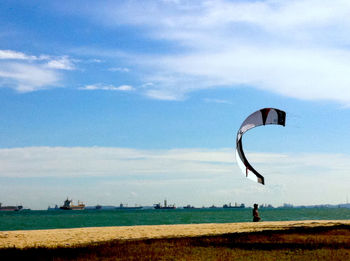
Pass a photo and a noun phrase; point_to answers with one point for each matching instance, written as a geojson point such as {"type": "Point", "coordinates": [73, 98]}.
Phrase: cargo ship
{"type": "Point", "coordinates": [188, 206]}
{"type": "Point", "coordinates": [10, 208]}
{"type": "Point", "coordinates": [54, 208]}
{"type": "Point", "coordinates": [68, 205]}
{"type": "Point", "coordinates": [122, 207]}
{"type": "Point", "coordinates": [235, 206]}
{"type": "Point", "coordinates": [166, 206]}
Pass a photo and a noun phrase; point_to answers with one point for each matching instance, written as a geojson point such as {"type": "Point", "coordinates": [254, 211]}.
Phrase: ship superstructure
{"type": "Point", "coordinates": [166, 206]}
{"type": "Point", "coordinates": [68, 205]}
{"type": "Point", "coordinates": [234, 206]}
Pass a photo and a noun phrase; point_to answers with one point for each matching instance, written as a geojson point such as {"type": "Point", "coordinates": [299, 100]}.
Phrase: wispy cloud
{"type": "Point", "coordinates": [303, 178]}
{"type": "Point", "coordinates": [94, 87]}
{"type": "Point", "coordinates": [119, 69]}
{"type": "Point", "coordinates": [62, 63]}
{"type": "Point", "coordinates": [294, 48]}
{"type": "Point", "coordinates": [100, 161]}
{"type": "Point", "coordinates": [27, 73]}
{"type": "Point", "coordinates": [27, 77]}
{"type": "Point", "coordinates": [217, 101]}
{"type": "Point", "coordinates": [13, 55]}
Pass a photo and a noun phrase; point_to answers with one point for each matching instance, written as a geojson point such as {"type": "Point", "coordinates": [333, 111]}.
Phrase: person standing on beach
{"type": "Point", "coordinates": [256, 217]}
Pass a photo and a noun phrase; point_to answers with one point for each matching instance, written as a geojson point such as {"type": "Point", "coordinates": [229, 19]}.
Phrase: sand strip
{"type": "Point", "coordinates": [80, 236]}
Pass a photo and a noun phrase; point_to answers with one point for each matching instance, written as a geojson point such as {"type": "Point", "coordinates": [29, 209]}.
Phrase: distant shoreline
{"type": "Point", "coordinates": [53, 238]}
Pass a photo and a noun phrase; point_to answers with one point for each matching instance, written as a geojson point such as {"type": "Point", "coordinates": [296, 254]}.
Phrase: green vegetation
{"type": "Point", "coordinates": [323, 243]}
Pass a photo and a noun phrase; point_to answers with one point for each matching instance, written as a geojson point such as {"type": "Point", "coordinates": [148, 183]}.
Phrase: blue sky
{"type": "Point", "coordinates": [134, 102]}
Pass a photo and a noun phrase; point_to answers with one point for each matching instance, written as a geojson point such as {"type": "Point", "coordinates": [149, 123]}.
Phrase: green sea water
{"type": "Point", "coordinates": [27, 220]}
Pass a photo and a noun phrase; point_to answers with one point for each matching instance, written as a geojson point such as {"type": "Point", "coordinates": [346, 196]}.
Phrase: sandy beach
{"type": "Point", "coordinates": [52, 238]}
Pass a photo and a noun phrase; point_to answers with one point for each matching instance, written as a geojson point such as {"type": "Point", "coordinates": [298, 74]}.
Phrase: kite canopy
{"type": "Point", "coordinates": [258, 118]}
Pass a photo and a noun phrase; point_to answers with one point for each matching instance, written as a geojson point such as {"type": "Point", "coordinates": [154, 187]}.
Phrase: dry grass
{"type": "Point", "coordinates": [321, 243]}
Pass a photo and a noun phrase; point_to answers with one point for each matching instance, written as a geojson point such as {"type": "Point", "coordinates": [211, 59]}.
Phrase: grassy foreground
{"type": "Point", "coordinates": [320, 243]}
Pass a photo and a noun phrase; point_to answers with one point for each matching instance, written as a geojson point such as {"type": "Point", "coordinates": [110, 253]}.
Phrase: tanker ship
{"type": "Point", "coordinates": [68, 205]}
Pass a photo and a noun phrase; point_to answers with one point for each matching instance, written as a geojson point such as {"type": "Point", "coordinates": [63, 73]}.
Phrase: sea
{"type": "Point", "coordinates": [44, 219]}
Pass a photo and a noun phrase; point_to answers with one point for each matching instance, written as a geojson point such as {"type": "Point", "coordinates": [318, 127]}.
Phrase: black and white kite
{"type": "Point", "coordinates": [258, 118]}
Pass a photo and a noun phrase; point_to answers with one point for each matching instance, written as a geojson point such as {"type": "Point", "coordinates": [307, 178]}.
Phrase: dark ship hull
{"type": "Point", "coordinates": [122, 207]}
{"type": "Point", "coordinates": [11, 208]}
{"type": "Point", "coordinates": [78, 207]}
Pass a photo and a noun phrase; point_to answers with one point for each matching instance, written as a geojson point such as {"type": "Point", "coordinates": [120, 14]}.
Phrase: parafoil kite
{"type": "Point", "coordinates": [258, 118]}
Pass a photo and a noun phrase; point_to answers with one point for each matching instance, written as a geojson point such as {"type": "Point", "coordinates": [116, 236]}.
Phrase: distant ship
{"type": "Point", "coordinates": [166, 206]}
{"type": "Point", "coordinates": [122, 207]}
{"type": "Point", "coordinates": [235, 206]}
{"type": "Point", "coordinates": [69, 206]}
{"type": "Point", "coordinates": [188, 206]}
{"type": "Point", "coordinates": [10, 208]}
{"type": "Point", "coordinates": [55, 208]}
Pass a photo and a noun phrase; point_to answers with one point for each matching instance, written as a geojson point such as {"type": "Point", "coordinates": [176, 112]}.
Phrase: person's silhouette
{"type": "Point", "coordinates": [256, 217]}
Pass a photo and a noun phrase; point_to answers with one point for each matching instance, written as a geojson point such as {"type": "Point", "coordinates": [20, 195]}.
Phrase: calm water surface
{"type": "Point", "coordinates": [27, 220]}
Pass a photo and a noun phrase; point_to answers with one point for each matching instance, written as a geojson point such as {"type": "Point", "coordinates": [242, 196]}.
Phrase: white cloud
{"type": "Point", "coordinates": [13, 55]}
{"type": "Point", "coordinates": [161, 94]}
{"type": "Point", "coordinates": [210, 100]}
{"type": "Point", "coordinates": [99, 161]}
{"type": "Point", "coordinates": [94, 87]}
{"type": "Point", "coordinates": [95, 61]}
{"type": "Point", "coordinates": [294, 48]}
{"type": "Point", "coordinates": [27, 73]}
{"type": "Point", "coordinates": [27, 77]}
{"type": "Point", "coordinates": [302, 74]}
{"type": "Point", "coordinates": [62, 63]}
{"type": "Point", "coordinates": [201, 176]}
{"type": "Point", "coordinates": [119, 69]}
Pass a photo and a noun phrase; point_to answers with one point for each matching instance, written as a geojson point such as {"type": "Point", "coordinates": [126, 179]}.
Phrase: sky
{"type": "Point", "coordinates": [134, 102]}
